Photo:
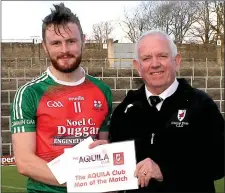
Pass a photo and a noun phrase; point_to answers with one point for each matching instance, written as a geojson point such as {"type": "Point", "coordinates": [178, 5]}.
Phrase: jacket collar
{"type": "Point", "coordinates": [140, 94]}
{"type": "Point", "coordinates": [166, 93]}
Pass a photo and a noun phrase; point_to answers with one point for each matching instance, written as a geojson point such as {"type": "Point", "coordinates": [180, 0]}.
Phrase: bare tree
{"type": "Point", "coordinates": [172, 17]}
{"type": "Point", "coordinates": [102, 31]}
{"type": "Point", "coordinates": [202, 28]}
{"type": "Point", "coordinates": [133, 26]}
{"type": "Point", "coordinates": [183, 16]}
{"type": "Point", "coordinates": [175, 18]}
{"type": "Point", "coordinates": [137, 22]}
{"type": "Point", "coordinates": [163, 16]}
{"type": "Point", "coordinates": [218, 10]}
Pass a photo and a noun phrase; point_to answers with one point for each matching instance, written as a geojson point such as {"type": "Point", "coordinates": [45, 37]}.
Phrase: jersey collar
{"type": "Point", "coordinates": [64, 82]}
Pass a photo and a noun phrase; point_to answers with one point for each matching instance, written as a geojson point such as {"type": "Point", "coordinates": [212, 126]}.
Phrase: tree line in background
{"type": "Point", "coordinates": [185, 21]}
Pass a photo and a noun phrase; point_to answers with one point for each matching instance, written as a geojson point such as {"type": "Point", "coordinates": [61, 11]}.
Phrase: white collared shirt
{"type": "Point", "coordinates": [166, 93]}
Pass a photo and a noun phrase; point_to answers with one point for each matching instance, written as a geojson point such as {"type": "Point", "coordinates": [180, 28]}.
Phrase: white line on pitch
{"type": "Point", "coordinates": [12, 187]}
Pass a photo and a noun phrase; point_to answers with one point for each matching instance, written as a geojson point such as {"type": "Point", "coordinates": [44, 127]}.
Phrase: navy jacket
{"type": "Point", "coordinates": [185, 138]}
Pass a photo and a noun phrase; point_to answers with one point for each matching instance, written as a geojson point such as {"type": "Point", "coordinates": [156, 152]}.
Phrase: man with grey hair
{"type": "Point", "coordinates": [178, 130]}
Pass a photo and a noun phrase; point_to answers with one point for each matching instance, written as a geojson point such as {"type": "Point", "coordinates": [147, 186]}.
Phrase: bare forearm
{"type": "Point", "coordinates": [37, 169]}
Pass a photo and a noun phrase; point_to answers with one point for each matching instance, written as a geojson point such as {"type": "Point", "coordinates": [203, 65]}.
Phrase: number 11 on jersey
{"type": "Point", "coordinates": [77, 107]}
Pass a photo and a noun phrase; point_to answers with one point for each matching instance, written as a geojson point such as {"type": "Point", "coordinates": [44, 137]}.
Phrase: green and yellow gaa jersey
{"type": "Point", "coordinates": [62, 114]}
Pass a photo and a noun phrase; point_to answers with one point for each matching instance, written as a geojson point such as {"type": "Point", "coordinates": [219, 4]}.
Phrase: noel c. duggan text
{"type": "Point", "coordinates": [75, 131]}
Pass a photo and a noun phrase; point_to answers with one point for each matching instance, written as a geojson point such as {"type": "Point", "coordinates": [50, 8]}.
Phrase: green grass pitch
{"type": "Point", "coordinates": [14, 182]}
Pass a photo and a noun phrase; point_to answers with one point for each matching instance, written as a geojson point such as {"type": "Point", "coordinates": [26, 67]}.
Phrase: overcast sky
{"type": "Point", "coordinates": [23, 19]}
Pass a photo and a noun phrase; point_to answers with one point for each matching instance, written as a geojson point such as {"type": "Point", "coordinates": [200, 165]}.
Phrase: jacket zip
{"type": "Point", "coordinates": [152, 139]}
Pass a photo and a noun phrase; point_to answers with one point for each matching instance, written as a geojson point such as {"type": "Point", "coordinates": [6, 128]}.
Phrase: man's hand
{"type": "Point", "coordinates": [97, 143]}
{"type": "Point", "coordinates": [28, 163]}
{"type": "Point", "coordinates": [147, 169]}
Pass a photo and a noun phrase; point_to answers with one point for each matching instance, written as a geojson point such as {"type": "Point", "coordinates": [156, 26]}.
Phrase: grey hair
{"type": "Point", "coordinates": [172, 45]}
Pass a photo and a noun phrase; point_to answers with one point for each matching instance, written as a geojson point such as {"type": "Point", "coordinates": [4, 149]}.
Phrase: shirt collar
{"type": "Point", "coordinates": [64, 82]}
{"type": "Point", "coordinates": [166, 93]}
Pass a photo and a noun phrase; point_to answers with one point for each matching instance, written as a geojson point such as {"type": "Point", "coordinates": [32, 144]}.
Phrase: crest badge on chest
{"type": "Point", "coordinates": [181, 114]}
{"type": "Point", "coordinates": [97, 105]}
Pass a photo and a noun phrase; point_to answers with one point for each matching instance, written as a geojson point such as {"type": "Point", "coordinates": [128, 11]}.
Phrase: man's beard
{"type": "Point", "coordinates": [66, 69]}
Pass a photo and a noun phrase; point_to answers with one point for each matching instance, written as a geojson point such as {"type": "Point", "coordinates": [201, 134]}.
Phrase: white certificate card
{"type": "Point", "coordinates": [104, 168]}
{"type": "Point", "coordinates": [59, 166]}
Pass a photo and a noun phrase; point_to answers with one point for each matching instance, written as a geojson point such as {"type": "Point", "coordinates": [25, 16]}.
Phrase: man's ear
{"type": "Point", "coordinates": [44, 46]}
{"type": "Point", "coordinates": [83, 40]}
{"type": "Point", "coordinates": [178, 61]}
{"type": "Point", "coordinates": [137, 66]}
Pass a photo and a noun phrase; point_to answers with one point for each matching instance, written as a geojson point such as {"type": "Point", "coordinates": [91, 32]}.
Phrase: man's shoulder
{"type": "Point", "coordinates": [35, 82]}
{"type": "Point", "coordinates": [98, 83]}
{"type": "Point", "coordinates": [203, 98]}
{"type": "Point", "coordinates": [201, 94]}
{"type": "Point", "coordinates": [197, 93]}
{"type": "Point", "coordinates": [31, 88]}
{"type": "Point", "coordinates": [193, 92]}
{"type": "Point", "coordinates": [133, 96]}
{"type": "Point", "coordinates": [196, 96]}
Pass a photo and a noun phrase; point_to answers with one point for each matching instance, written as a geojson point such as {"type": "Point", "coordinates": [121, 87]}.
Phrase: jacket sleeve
{"type": "Point", "coordinates": [215, 123]}
{"type": "Point", "coordinates": [122, 127]}
{"type": "Point", "coordinates": [118, 130]}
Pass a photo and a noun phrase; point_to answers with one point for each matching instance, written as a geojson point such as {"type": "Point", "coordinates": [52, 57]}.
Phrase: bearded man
{"type": "Point", "coordinates": [61, 107]}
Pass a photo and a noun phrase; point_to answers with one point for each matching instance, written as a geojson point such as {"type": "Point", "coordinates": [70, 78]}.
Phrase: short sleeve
{"type": "Point", "coordinates": [106, 123]}
{"type": "Point", "coordinates": [23, 111]}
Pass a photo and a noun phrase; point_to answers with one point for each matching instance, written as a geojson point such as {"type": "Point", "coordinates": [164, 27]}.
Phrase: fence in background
{"type": "Point", "coordinates": [35, 62]}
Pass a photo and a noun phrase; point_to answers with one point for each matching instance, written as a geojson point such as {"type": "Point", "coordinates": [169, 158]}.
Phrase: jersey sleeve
{"type": "Point", "coordinates": [23, 111]}
{"type": "Point", "coordinates": [106, 123]}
